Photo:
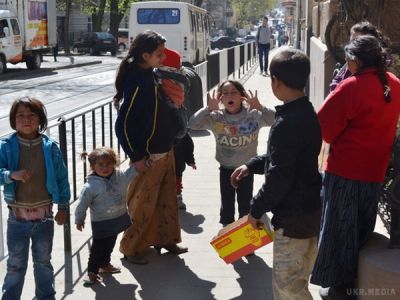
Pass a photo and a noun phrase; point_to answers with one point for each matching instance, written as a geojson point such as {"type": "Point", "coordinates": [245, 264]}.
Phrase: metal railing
{"type": "Point", "coordinates": [93, 126]}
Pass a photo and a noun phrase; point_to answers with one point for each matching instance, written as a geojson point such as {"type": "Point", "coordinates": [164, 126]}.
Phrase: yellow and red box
{"type": "Point", "coordinates": [240, 238]}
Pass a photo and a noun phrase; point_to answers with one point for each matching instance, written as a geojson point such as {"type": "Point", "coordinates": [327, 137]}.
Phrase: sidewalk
{"type": "Point", "coordinates": [197, 275]}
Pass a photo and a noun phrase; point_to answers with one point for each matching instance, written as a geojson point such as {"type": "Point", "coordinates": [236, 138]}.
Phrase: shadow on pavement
{"type": "Point", "coordinates": [110, 288]}
{"type": "Point", "coordinates": [255, 278]}
{"type": "Point", "coordinates": [168, 277]}
{"type": "Point", "coordinates": [191, 223]}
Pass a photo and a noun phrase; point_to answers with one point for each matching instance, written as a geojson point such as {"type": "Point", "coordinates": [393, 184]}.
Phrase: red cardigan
{"type": "Point", "coordinates": [360, 126]}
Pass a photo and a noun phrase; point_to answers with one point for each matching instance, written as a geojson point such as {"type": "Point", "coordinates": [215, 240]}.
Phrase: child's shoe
{"type": "Point", "coordinates": [109, 269]}
{"type": "Point", "coordinates": [181, 205]}
{"type": "Point", "coordinates": [91, 278]}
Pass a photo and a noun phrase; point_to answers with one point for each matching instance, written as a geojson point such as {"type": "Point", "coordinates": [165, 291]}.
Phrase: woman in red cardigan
{"type": "Point", "coordinates": [358, 120]}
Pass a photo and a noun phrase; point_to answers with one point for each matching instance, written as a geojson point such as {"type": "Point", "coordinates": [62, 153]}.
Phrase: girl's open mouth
{"type": "Point", "coordinates": [230, 102]}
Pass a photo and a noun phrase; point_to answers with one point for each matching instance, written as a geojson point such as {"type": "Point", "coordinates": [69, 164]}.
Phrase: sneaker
{"type": "Point", "coordinates": [136, 259]}
{"type": "Point", "coordinates": [110, 269]}
{"type": "Point", "coordinates": [91, 278]}
{"type": "Point", "coordinates": [181, 205]}
{"type": "Point", "coordinates": [261, 72]}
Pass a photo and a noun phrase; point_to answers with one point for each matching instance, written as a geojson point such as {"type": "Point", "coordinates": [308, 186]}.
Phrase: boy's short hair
{"type": "Point", "coordinates": [265, 18]}
{"type": "Point", "coordinates": [292, 67]}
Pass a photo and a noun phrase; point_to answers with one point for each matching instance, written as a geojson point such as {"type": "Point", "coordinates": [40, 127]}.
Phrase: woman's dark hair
{"type": "Point", "coordinates": [368, 51]}
{"type": "Point", "coordinates": [100, 153]}
{"type": "Point", "coordinates": [366, 28]}
{"type": "Point", "coordinates": [292, 67]}
{"type": "Point", "coordinates": [236, 84]}
{"type": "Point", "coordinates": [35, 105]}
{"type": "Point", "coordinates": [145, 42]}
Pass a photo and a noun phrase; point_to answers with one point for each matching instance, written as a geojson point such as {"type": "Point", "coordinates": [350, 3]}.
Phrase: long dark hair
{"type": "Point", "coordinates": [367, 50]}
{"type": "Point", "coordinates": [145, 42]}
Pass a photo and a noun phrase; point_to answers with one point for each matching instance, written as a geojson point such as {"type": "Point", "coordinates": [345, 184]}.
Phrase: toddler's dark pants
{"type": "Point", "coordinates": [100, 253]}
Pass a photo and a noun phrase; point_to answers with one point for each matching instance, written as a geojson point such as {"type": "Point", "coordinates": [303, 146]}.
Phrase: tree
{"type": "Point", "coordinates": [250, 10]}
{"type": "Point", "coordinates": [118, 8]}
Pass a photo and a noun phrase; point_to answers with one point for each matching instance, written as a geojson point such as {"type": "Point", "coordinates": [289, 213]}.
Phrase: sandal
{"type": "Point", "coordinates": [91, 278]}
{"type": "Point", "coordinates": [109, 269]}
{"type": "Point", "coordinates": [174, 249]}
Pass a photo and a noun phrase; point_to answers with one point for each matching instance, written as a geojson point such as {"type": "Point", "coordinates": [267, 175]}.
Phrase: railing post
{"type": "Point", "coordinates": [62, 132]}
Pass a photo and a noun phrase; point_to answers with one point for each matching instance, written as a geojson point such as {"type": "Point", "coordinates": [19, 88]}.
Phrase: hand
{"type": "Point", "coordinates": [193, 166]}
{"type": "Point", "coordinates": [256, 223]}
{"type": "Point", "coordinates": [238, 174]}
{"type": "Point", "coordinates": [253, 101]}
{"type": "Point", "coordinates": [22, 175]}
{"type": "Point", "coordinates": [213, 102]}
{"type": "Point", "coordinates": [61, 217]}
{"type": "Point", "coordinates": [116, 102]}
{"type": "Point", "coordinates": [80, 226]}
{"type": "Point", "coordinates": [141, 165]}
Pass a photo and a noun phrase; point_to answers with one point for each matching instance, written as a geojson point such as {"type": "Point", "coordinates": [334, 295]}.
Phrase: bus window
{"type": "Point", "coordinates": [158, 16]}
{"type": "Point", "coordinates": [193, 17]}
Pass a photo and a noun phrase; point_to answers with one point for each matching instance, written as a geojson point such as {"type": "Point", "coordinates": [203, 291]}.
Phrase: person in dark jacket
{"type": "Point", "coordinates": [291, 190]}
{"type": "Point", "coordinates": [184, 154]}
{"type": "Point", "coordinates": [147, 126]}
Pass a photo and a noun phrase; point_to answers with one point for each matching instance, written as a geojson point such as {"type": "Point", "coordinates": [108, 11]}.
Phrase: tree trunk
{"type": "Point", "coordinates": [198, 3]}
{"type": "Point", "coordinates": [66, 26]}
{"type": "Point", "coordinates": [99, 17]}
{"type": "Point", "coordinates": [114, 18]}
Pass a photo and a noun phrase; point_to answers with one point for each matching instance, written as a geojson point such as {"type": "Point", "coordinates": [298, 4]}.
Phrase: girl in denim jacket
{"type": "Point", "coordinates": [34, 177]}
{"type": "Point", "coordinates": [105, 194]}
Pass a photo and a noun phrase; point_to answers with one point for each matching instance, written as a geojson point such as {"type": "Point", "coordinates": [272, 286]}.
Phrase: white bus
{"type": "Point", "coordinates": [185, 26]}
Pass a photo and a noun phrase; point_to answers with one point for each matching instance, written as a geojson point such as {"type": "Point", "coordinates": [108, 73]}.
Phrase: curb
{"type": "Point", "coordinates": [44, 70]}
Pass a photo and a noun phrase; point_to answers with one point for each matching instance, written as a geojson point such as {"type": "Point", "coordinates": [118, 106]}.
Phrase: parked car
{"type": "Point", "coordinates": [96, 42]}
{"type": "Point", "coordinates": [249, 38]}
{"type": "Point", "coordinates": [222, 42]}
{"type": "Point", "coordinates": [123, 39]}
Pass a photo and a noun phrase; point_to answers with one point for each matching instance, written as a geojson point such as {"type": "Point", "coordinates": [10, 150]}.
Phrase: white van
{"type": "Point", "coordinates": [186, 27]}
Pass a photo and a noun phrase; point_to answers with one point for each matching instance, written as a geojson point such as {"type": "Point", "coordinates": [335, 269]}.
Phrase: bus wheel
{"type": "Point", "coordinates": [121, 47]}
{"type": "Point", "coordinates": [34, 61]}
{"type": "Point", "coordinates": [3, 65]}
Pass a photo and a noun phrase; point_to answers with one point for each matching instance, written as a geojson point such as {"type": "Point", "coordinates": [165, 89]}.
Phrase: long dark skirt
{"type": "Point", "coordinates": [348, 219]}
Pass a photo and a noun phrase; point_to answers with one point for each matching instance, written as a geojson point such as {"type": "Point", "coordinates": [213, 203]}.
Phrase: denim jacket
{"type": "Point", "coordinates": [56, 172]}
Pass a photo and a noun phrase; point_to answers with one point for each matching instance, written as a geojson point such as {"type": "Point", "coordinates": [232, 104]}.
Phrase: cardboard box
{"type": "Point", "coordinates": [240, 238]}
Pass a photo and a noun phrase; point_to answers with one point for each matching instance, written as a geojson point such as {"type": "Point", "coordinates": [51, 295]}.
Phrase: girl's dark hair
{"type": "Point", "coordinates": [145, 42]}
{"type": "Point", "coordinates": [236, 84]}
{"type": "Point", "coordinates": [99, 153]}
{"type": "Point", "coordinates": [367, 50]}
{"type": "Point", "coordinates": [366, 28]}
{"type": "Point", "coordinates": [35, 105]}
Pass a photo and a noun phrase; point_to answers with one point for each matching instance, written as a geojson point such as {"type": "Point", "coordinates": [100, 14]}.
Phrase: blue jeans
{"type": "Point", "coordinates": [19, 235]}
{"type": "Point", "coordinates": [263, 51]}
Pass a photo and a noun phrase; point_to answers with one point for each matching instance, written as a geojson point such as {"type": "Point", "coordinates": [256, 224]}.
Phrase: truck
{"type": "Point", "coordinates": [27, 30]}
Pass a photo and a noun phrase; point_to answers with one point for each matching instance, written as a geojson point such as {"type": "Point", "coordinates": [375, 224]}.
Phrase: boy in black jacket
{"type": "Point", "coordinates": [291, 190]}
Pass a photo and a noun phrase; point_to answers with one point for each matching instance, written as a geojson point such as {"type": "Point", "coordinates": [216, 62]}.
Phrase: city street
{"type": "Point", "coordinates": [197, 275]}
{"type": "Point", "coordinates": [63, 90]}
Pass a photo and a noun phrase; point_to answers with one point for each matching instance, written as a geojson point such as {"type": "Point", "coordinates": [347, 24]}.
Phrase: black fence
{"type": "Point", "coordinates": [91, 127]}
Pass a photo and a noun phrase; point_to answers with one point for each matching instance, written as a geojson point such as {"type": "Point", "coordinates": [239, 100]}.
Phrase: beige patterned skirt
{"type": "Point", "coordinates": [152, 205]}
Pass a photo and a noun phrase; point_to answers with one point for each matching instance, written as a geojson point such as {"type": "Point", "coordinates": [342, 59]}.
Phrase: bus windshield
{"type": "Point", "coordinates": [158, 16]}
